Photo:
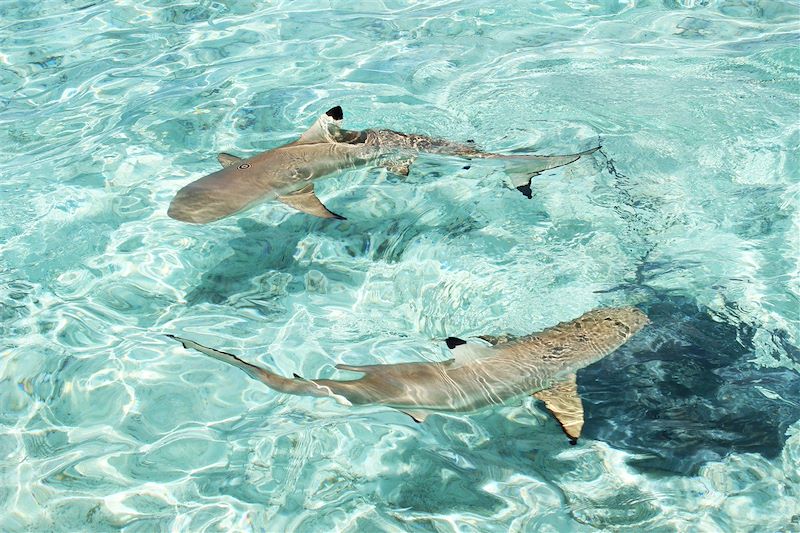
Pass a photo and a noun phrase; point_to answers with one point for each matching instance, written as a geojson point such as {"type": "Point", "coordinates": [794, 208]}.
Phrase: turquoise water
{"type": "Point", "coordinates": [690, 212]}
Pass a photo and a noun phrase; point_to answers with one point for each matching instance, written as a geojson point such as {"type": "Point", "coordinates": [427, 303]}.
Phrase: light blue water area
{"type": "Point", "coordinates": [689, 211]}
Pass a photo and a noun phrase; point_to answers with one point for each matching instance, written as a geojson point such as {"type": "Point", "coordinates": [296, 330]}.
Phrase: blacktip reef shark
{"type": "Point", "coordinates": [478, 375]}
{"type": "Point", "coordinates": [287, 173]}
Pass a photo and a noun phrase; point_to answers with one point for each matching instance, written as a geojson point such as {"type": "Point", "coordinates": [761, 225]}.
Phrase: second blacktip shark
{"type": "Point", "coordinates": [287, 173]}
{"type": "Point", "coordinates": [542, 364]}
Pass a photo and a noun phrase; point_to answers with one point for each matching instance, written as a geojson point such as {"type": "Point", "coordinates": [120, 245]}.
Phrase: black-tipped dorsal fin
{"type": "Point", "coordinates": [306, 201]}
{"type": "Point", "coordinates": [335, 113]}
{"type": "Point", "coordinates": [227, 160]}
{"type": "Point", "coordinates": [325, 129]}
{"type": "Point", "coordinates": [565, 405]}
{"type": "Point", "coordinates": [452, 342]}
{"type": "Point", "coordinates": [464, 352]}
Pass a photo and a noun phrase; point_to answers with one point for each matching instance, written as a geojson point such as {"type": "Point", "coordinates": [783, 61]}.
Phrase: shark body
{"type": "Point", "coordinates": [478, 375]}
{"type": "Point", "coordinates": [287, 173]}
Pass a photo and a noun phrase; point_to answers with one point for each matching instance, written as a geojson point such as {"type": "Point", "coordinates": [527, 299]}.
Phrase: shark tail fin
{"type": "Point", "coordinates": [522, 168]}
{"type": "Point", "coordinates": [270, 379]}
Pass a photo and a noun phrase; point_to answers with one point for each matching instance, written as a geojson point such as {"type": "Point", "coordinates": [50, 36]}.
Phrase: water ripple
{"type": "Point", "coordinates": [689, 211]}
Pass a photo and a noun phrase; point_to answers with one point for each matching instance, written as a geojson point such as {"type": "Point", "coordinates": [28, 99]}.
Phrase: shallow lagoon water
{"type": "Point", "coordinates": [689, 212]}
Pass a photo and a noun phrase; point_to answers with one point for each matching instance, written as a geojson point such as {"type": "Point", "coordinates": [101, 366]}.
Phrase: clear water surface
{"type": "Point", "coordinates": [690, 212]}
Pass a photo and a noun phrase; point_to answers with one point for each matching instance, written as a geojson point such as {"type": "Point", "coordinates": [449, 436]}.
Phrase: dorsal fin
{"type": "Point", "coordinates": [227, 160]}
{"type": "Point", "coordinates": [464, 352]}
{"type": "Point", "coordinates": [565, 405]}
{"type": "Point", "coordinates": [452, 342]}
{"type": "Point", "coordinates": [325, 129]}
{"type": "Point", "coordinates": [335, 113]}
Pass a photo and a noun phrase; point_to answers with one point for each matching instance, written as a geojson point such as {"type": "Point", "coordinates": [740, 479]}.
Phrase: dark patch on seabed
{"type": "Point", "coordinates": [685, 392]}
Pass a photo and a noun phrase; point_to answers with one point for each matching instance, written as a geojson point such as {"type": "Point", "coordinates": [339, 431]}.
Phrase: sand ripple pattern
{"type": "Point", "coordinates": [690, 211]}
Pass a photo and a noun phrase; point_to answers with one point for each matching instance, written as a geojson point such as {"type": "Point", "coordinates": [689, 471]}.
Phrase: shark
{"type": "Point", "coordinates": [490, 370]}
{"type": "Point", "coordinates": [287, 173]}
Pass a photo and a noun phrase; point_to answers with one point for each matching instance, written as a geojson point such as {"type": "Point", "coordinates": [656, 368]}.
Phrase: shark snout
{"type": "Point", "coordinates": [616, 322]}
{"type": "Point", "coordinates": [627, 320]}
{"type": "Point", "coordinates": [194, 205]}
{"type": "Point", "coordinates": [179, 211]}
{"type": "Point", "coordinates": [635, 317]}
{"type": "Point", "coordinates": [176, 212]}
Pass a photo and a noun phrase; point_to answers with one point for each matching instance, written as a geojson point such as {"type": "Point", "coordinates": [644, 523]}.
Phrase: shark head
{"type": "Point", "coordinates": [243, 182]}
{"type": "Point", "coordinates": [605, 330]}
{"type": "Point", "coordinates": [201, 202]}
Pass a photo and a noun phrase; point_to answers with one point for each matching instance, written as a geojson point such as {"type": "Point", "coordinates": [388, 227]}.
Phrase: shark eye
{"type": "Point", "coordinates": [244, 166]}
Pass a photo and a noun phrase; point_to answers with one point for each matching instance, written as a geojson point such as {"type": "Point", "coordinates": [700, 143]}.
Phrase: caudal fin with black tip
{"type": "Point", "coordinates": [522, 168]}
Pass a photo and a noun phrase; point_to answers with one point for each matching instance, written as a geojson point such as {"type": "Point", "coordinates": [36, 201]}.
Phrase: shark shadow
{"type": "Point", "coordinates": [687, 392]}
{"type": "Point", "coordinates": [269, 250]}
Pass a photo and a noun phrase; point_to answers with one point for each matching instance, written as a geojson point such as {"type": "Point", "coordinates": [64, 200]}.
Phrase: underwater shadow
{"type": "Point", "coordinates": [676, 397]}
{"type": "Point", "coordinates": [267, 252]}
{"type": "Point", "coordinates": [686, 392]}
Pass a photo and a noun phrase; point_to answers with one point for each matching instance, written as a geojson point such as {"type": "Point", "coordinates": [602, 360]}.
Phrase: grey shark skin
{"type": "Point", "coordinates": [287, 173]}
{"type": "Point", "coordinates": [478, 375]}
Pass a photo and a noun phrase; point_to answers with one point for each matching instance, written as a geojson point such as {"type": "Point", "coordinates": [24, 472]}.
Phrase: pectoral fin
{"type": "Point", "coordinates": [306, 201]}
{"type": "Point", "coordinates": [227, 160]}
{"type": "Point", "coordinates": [565, 405]}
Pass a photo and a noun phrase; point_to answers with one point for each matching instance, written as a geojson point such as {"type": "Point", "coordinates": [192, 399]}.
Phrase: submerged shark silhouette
{"type": "Point", "coordinates": [478, 375]}
{"type": "Point", "coordinates": [287, 173]}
